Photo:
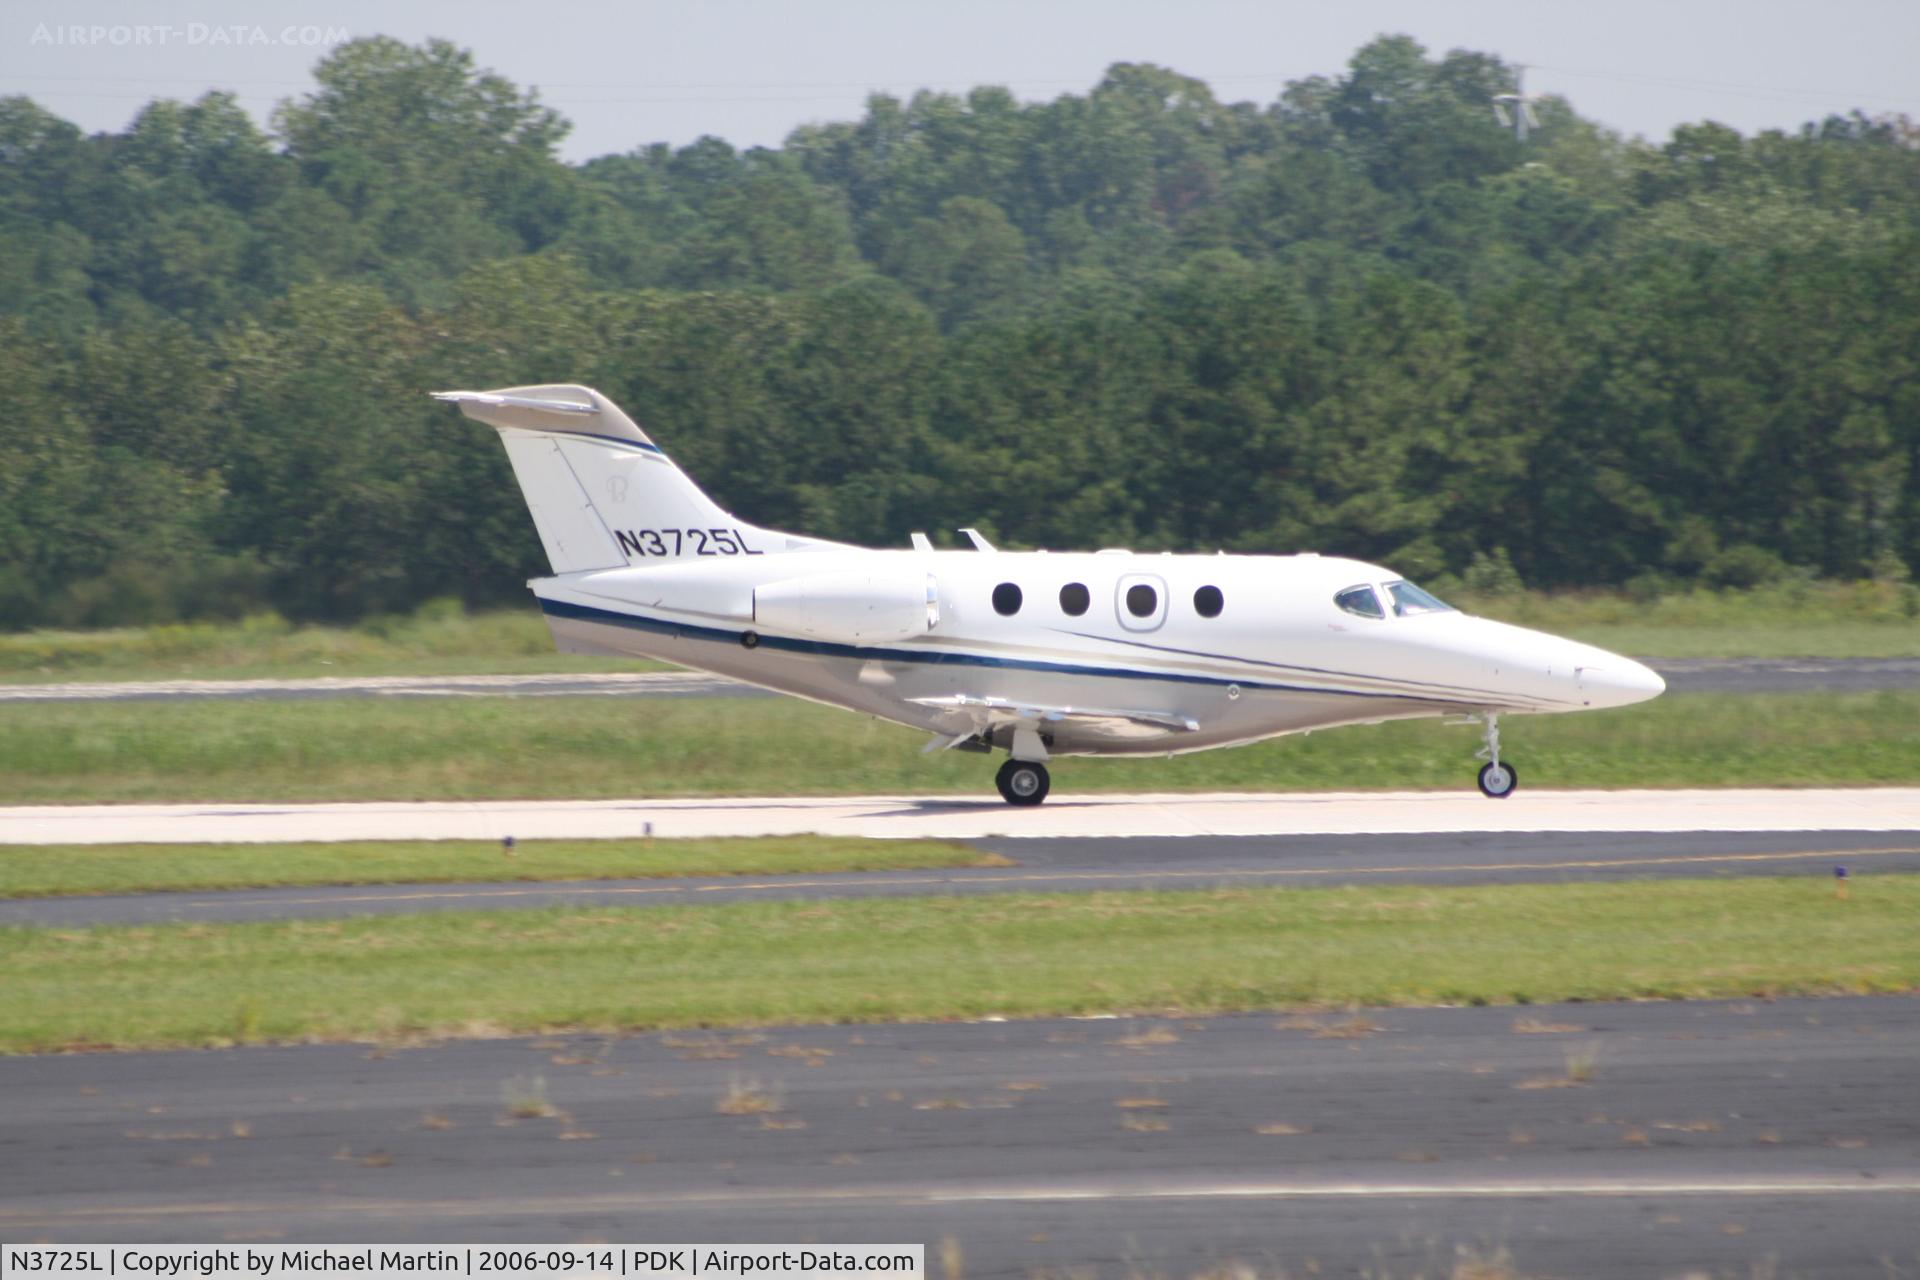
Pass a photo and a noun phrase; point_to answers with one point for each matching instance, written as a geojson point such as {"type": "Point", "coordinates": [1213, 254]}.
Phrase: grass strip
{"type": "Point", "coordinates": [438, 639]}
{"type": "Point", "coordinates": [584, 748]}
{"type": "Point", "coordinates": [1788, 619]}
{"type": "Point", "coordinates": [604, 969]}
{"type": "Point", "coordinates": [38, 871]}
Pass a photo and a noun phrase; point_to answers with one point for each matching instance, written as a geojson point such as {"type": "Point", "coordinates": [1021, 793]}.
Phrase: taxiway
{"type": "Point", "coordinates": [1591, 1140]}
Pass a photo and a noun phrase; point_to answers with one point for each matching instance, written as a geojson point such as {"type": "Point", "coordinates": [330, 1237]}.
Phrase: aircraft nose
{"type": "Point", "coordinates": [1615, 681]}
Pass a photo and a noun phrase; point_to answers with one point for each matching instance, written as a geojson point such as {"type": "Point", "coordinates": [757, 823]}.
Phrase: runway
{"type": "Point", "coordinates": [1072, 866]}
{"type": "Point", "coordinates": [972, 818]}
{"type": "Point", "coordinates": [1590, 1140]}
{"type": "Point", "coordinates": [1463, 811]}
{"type": "Point", "coordinates": [1683, 675]}
{"type": "Point", "coordinates": [1788, 675]}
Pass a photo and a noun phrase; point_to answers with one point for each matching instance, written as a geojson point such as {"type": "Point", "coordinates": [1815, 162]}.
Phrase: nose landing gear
{"type": "Point", "coordinates": [1497, 780]}
{"type": "Point", "coordinates": [1023, 782]}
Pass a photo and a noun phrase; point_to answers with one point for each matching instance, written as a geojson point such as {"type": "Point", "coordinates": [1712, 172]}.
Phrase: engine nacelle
{"type": "Point", "coordinates": [851, 608]}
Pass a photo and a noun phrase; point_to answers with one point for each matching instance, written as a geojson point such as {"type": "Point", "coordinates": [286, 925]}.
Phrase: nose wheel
{"type": "Point", "coordinates": [1497, 780]}
{"type": "Point", "coordinates": [1023, 782]}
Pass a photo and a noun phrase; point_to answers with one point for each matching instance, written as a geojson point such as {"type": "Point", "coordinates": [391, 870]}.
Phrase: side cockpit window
{"type": "Point", "coordinates": [1409, 600]}
{"type": "Point", "coordinates": [1360, 601]}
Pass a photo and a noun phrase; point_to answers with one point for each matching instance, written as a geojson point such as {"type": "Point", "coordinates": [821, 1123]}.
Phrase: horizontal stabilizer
{"type": "Point", "coordinates": [498, 400]}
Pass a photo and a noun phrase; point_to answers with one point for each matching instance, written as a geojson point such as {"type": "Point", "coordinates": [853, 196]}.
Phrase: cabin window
{"type": "Point", "coordinates": [1207, 602]}
{"type": "Point", "coordinates": [1360, 601]}
{"type": "Point", "coordinates": [1140, 601]}
{"type": "Point", "coordinates": [1006, 599]}
{"type": "Point", "coordinates": [1409, 600]}
{"type": "Point", "coordinates": [1074, 599]}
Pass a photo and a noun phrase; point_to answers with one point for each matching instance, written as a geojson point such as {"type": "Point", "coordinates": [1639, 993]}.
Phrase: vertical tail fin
{"type": "Point", "coordinates": [602, 494]}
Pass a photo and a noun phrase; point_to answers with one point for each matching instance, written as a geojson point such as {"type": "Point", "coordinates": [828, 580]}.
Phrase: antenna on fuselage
{"type": "Point", "coordinates": [979, 543]}
{"type": "Point", "coordinates": [920, 542]}
{"type": "Point", "coordinates": [1515, 110]}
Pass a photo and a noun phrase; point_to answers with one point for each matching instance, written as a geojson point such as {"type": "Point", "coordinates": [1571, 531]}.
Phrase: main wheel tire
{"type": "Point", "coordinates": [1498, 781]}
{"type": "Point", "coordinates": [1023, 782]}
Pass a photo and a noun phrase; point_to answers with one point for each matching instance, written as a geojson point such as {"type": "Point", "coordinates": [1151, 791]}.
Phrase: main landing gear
{"type": "Point", "coordinates": [1023, 782]}
{"type": "Point", "coordinates": [1497, 780]}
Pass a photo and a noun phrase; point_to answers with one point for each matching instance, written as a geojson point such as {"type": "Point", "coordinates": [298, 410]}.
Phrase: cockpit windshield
{"type": "Point", "coordinates": [1360, 600]}
{"type": "Point", "coordinates": [1409, 600]}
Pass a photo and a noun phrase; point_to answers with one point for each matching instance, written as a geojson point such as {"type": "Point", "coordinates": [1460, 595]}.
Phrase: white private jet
{"type": "Point", "coordinates": [1036, 653]}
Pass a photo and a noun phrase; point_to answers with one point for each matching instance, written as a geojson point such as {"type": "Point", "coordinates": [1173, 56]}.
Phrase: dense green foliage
{"type": "Point", "coordinates": [1362, 318]}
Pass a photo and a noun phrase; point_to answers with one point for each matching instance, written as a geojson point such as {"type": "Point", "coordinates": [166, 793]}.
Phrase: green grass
{"type": "Point", "coordinates": [1861, 620]}
{"type": "Point", "coordinates": [478, 748]}
{"type": "Point", "coordinates": [35, 871]}
{"type": "Point", "coordinates": [439, 639]}
{"type": "Point", "coordinates": [935, 958]}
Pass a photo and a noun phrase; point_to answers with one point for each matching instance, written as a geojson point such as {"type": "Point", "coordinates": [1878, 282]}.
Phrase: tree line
{"type": "Point", "coordinates": [1362, 318]}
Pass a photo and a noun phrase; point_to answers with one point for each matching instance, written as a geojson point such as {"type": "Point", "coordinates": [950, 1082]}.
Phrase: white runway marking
{"type": "Point", "coordinates": [1442, 1190]}
{"type": "Point", "coordinates": [964, 817]}
{"type": "Point", "coordinates": [533, 1205]}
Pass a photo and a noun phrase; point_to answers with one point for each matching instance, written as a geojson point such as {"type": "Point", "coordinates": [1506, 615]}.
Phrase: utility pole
{"type": "Point", "coordinates": [1522, 115]}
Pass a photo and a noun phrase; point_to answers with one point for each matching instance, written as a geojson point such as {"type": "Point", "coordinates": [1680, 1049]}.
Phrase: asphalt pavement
{"type": "Point", "coordinates": [1683, 675]}
{"type": "Point", "coordinates": [1788, 675]}
{"type": "Point", "coordinates": [1612, 1140]}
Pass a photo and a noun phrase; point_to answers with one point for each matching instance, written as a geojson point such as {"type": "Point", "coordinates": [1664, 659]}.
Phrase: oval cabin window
{"type": "Point", "coordinates": [1207, 602]}
{"type": "Point", "coordinates": [1074, 599]}
{"type": "Point", "coordinates": [1006, 599]}
{"type": "Point", "coordinates": [1142, 600]}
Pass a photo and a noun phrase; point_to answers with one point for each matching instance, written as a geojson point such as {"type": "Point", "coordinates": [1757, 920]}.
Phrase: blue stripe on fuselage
{"type": "Point", "coordinates": [935, 657]}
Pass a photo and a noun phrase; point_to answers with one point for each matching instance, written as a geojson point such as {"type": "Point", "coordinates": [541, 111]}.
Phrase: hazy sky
{"type": "Point", "coordinates": [750, 70]}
